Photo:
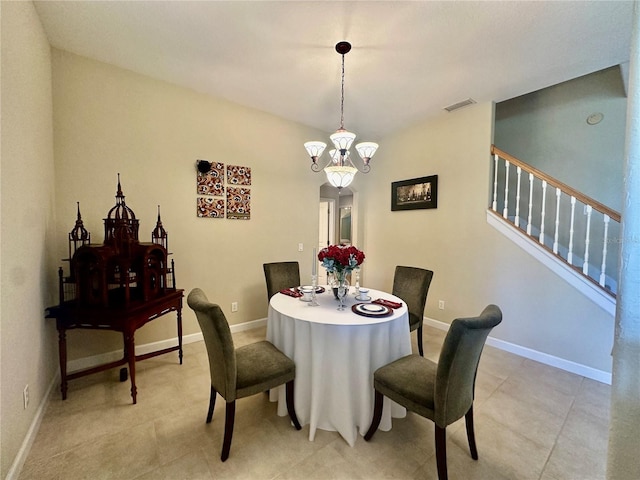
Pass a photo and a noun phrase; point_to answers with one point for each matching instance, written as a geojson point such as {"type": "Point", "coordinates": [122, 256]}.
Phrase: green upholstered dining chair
{"type": "Point", "coordinates": [239, 372]}
{"type": "Point", "coordinates": [411, 284]}
{"type": "Point", "coordinates": [442, 392]}
{"type": "Point", "coordinates": [280, 275]}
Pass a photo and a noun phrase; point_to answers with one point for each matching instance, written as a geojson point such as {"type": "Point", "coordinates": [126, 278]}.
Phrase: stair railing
{"type": "Point", "coordinates": [589, 243]}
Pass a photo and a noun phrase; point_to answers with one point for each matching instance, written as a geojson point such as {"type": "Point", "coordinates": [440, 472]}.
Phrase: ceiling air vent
{"type": "Point", "coordinates": [463, 103]}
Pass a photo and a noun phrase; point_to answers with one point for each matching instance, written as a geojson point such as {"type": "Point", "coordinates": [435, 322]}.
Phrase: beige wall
{"type": "Point", "coordinates": [27, 271]}
{"type": "Point", "coordinates": [108, 120]}
{"type": "Point", "coordinates": [473, 264]}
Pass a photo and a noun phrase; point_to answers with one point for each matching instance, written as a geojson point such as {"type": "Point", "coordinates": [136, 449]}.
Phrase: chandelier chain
{"type": "Point", "coordinates": [342, 97]}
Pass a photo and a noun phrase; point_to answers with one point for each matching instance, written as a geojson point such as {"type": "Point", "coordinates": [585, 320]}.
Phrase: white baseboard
{"type": "Point", "coordinates": [566, 365]}
{"type": "Point", "coordinates": [261, 322]}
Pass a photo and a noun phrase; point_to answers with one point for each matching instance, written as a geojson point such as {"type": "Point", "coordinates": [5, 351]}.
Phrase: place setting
{"type": "Point", "coordinates": [371, 310]}
{"type": "Point", "coordinates": [376, 308]}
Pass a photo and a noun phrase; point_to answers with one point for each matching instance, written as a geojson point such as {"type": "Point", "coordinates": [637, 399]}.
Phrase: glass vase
{"type": "Point", "coordinates": [341, 288]}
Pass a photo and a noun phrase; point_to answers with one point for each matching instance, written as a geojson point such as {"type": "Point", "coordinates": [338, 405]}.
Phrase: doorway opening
{"type": "Point", "coordinates": [336, 220]}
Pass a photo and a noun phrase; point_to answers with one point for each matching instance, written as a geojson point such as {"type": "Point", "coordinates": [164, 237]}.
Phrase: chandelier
{"type": "Point", "coordinates": [339, 168]}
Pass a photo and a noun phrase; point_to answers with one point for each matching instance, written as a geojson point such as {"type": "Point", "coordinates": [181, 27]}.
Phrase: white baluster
{"type": "Point", "coordinates": [573, 212]}
{"type": "Point", "coordinates": [542, 212]}
{"type": "Point", "coordinates": [555, 236]}
{"type": "Point", "coordinates": [494, 205]}
{"type": "Point", "coordinates": [519, 170]}
{"type": "Point", "coordinates": [530, 203]}
{"type": "Point", "coordinates": [585, 264]}
{"type": "Point", "coordinates": [604, 251]}
{"type": "Point", "coordinates": [506, 189]}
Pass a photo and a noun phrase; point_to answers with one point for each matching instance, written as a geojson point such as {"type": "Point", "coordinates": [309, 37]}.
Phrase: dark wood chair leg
{"type": "Point", "coordinates": [420, 349]}
{"type": "Point", "coordinates": [230, 415]}
{"type": "Point", "coordinates": [212, 403]}
{"type": "Point", "coordinates": [290, 406]}
{"type": "Point", "coordinates": [471, 436]}
{"type": "Point", "coordinates": [377, 416]}
{"type": "Point", "coordinates": [441, 452]}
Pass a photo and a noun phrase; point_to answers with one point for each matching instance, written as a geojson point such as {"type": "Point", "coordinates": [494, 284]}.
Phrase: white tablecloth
{"type": "Point", "coordinates": [336, 354]}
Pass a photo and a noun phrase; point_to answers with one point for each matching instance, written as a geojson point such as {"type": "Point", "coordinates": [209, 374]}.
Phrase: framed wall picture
{"type": "Point", "coordinates": [238, 203]}
{"type": "Point", "coordinates": [211, 182]}
{"type": "Point", "coordinates": [415, 193]}
{"type": "Point", "coordinates": [209, 207]}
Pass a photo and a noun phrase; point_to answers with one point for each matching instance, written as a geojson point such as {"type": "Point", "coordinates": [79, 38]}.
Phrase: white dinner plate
{"type": "Point", "coordinates": [319, 289]}
{"type": "Point", "coordinates": [371, 310]}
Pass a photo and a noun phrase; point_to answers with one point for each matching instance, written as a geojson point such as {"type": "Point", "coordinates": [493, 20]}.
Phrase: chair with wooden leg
{"type": "Point", "coordinates": [239, 372]}
{"type": "Point", "coordinates": [442, 392]}
{"type": "Point", "coordinates": [411, 284]}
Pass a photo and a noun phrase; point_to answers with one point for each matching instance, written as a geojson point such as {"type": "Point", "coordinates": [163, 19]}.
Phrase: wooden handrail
{"type": "Point", "coordinates": [558, 184]}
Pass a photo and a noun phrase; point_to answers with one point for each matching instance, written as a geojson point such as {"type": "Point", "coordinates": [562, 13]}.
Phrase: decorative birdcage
{"type": "Point", "coordinates": [122, 270]}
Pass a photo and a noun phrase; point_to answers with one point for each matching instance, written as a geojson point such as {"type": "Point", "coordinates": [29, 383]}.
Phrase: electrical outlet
{"type": "Point", "coordinates": [300, 247]}
{"type": "Point", "coordinates": [25, 396]}
{"type": "Point", "coordinates": [441, 304]}
{"type": "Point", "coordinates": [234, 306]}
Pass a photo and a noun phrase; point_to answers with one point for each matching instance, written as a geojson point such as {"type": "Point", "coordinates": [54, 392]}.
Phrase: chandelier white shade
{"type": "Point", "coordinates": [340, 175]}
{"type": "Point", "coordinates": [342, 139]}
{"type": "Point", "coordinates": [339, 169]}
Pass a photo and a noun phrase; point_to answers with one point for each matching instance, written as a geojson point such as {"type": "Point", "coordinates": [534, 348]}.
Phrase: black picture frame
{"type": "Point", "coordinates": [414, 194]}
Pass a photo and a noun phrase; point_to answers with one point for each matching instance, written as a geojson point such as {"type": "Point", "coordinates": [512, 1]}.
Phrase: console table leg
{"type": "Point", "coordinates": [62, 353]}
{"type": "Point", "coordinates": [130, 350]}
{"type": "Point", "coordinates": [179, 315]}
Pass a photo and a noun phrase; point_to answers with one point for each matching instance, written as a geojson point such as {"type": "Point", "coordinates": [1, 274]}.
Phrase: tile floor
{"type": "Point", "coordinates": [532, 422]}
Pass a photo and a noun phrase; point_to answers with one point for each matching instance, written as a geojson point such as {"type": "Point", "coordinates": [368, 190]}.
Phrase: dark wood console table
{"type": "Point", "coordinates": [125, 319]}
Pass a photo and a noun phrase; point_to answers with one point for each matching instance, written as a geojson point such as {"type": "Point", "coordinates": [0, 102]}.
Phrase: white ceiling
{"type": "Point", "coordinates": [409, 58]}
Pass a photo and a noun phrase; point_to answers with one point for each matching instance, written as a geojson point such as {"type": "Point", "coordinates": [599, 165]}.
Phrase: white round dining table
{"type": "Point", "coordinates": [336, 353]}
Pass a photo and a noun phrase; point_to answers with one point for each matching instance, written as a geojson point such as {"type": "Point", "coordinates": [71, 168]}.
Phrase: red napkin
{"type": "Point", "coordinates": [291, 293]}
{"type": "Point", "coordinates": [387, 303]}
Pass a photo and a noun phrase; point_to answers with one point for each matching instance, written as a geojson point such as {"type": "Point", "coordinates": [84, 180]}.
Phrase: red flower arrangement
{"type": "Point", "coordinates": [340, 258]}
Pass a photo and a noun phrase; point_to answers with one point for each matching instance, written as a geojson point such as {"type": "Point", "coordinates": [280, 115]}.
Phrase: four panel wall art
{"type": "Point", "coordinates": [223, 190]}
